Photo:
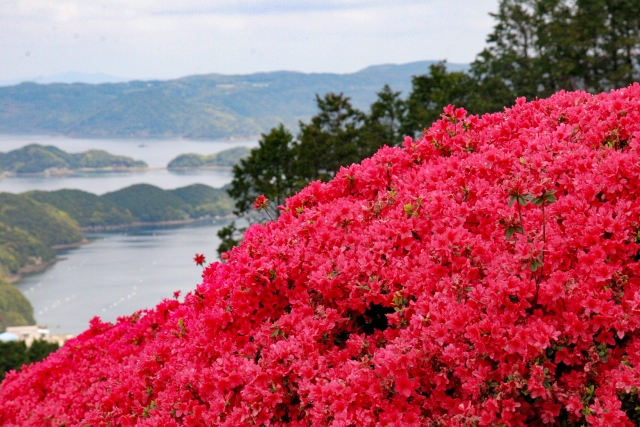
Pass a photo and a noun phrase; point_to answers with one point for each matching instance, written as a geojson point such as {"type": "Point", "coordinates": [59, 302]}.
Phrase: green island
{"type": "Point", "coordinates": [223, 159]}
{"type": "Point", "coordinates": [38, 159]}
{"type": "Point", "coordinates": [36, 223]}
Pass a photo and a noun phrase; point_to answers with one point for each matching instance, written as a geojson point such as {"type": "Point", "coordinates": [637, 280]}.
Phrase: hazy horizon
{"type": "Point", "coordinates": [99, 78]}
{"type": "Point", "coordinates": [161, 40]}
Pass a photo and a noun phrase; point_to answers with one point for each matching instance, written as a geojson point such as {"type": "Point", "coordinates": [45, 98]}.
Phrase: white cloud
{"type": "Point", "coordinates": [164, 39]}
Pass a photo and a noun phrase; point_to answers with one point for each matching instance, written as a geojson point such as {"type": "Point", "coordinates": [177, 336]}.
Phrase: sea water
{"type": "Point", "coordinates": [157, 153]}
{"type": "Point", "coordinates": [121, 272]}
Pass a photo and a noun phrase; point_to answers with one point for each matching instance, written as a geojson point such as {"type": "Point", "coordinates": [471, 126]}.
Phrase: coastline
{"type": "Point", "coordinates": [30, 269]}
{"type": "Point", "coordinates": [84, 241]}
{"type": "Point", "coordinates": [195, 168]}
{"type": "Point", "coordinates": [66, 172]}
{"type": "Point", "coordinates": [41, 266]}
{"type": "Point", "coordinates": [153, 224]}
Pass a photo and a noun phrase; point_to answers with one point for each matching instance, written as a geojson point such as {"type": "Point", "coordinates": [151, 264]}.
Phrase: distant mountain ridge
{"type": "Point", "coordinates": [211, 106]}
{"type": "Point", "coordinates": [69, 77]}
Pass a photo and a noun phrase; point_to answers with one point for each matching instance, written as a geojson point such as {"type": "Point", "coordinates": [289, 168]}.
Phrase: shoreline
{"type": "Point", "coordinates": [39, 267]}
{"type": "Point", "coordinates": [153, 224]}
{"type": "Point", "coordinates": [68, 172]}
{"type": "Point", "coordinates": [84, 241]}
{"type": "Point", "coordinates": [195, 168]}
{"type": "Point", "coordinates": [30, 269]}
{"type": "Point", "coordinates": [136, 138]}
{"type": "Point", "coordinates": [42, 266]}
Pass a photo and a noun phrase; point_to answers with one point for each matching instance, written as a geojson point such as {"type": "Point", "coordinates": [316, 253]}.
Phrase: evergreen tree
{"type": "Point", "coordinates": [609, 33]}
{"type": "Point", "coordinates": [332, 139]}
{"type": "Point", "coordinates": [434, 91]}
{"type": "Point", "coordinates": [541, 46]}
{"type": "Point", "coordinates": [40, 349]}
{"type": "Point", "coordinates": [335, 137]}
{"type": "Point", "coordinates": [269, 170]}
{"type": "Point", "coordinates": [382, 125]}
{"type": "Point", "coordinates": [230, 237]}
{"type": "Point", "coordinates": [15, 354]}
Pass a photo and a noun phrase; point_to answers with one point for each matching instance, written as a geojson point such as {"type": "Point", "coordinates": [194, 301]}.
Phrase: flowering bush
{"type": "Point", "coordinates": [485, 275]}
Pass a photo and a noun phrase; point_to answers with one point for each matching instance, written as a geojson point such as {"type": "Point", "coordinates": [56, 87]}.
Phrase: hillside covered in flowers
{"type": "Point", "coordinates": [487, 274]}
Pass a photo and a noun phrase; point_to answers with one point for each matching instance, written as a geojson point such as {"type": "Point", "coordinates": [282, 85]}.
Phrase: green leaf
{"type": "Point", "coordinates": [550, 198]}
{"type": "Point", "coordinates": [513, 199]}
{"type": "Point", "coordinates": [537, 200]}
{"type": "Point", "coordinates": [534, 265]}
{"type": "Point", "coordinates": [510, 232]}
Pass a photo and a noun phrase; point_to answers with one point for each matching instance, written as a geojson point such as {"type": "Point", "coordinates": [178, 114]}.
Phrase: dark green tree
{"type": "Point", "coordinates": [332, 139]}
{"type": "Point", "coordinates": [337, 136]}
{"type": "Point", "coordinates": [541, 46]}
{"type": "Point", "coordinates": [434, 91]}
{"type": "Point", "coordinates": [13, 354]}
{"type": "Point", "coordinates": [608, 42]}
{"type": "Point", "coordinates": [511, 53]}
{"type": "Point", "coordinates": [230, 237]}
{"type": "Point", "coordinates": [382, 125]}
{"type": "Point", "coordinates": [40, 349]}
{"type": "Point", "coordinates": [269, 170]}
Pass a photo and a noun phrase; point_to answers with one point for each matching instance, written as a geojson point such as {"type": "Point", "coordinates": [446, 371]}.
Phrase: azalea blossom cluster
{"type": "Point", "coordinates": [487, 274]}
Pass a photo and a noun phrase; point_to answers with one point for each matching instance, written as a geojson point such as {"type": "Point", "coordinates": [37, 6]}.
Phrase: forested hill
{"type": "Point", "coordinates": [36, 159]}
{"type": "Point", "coordinates": [34, 224]}
{"type": "Point", "coordinates": [203, 106]}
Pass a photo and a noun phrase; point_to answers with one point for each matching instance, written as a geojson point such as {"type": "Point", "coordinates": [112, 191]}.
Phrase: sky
{"type": "Point", "coordinates": [163, 39]}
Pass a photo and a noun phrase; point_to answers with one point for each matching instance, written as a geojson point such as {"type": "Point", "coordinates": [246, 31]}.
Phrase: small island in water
{"type": "Point", "coordinates": [35, 159]}
{"type": "Point", "coordinates": [223, 159]}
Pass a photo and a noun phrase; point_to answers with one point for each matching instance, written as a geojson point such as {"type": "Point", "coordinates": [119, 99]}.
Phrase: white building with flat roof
{"type": "Point", "coordinates": [30, 333]}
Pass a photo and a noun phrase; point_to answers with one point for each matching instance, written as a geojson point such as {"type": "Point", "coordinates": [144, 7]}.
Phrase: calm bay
{"type": "Point", "coordinates": [121, 272]}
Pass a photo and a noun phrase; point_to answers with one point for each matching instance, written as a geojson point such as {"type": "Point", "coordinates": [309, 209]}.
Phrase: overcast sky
{"type": "Point", "coordinates": [172, 38]}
